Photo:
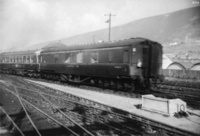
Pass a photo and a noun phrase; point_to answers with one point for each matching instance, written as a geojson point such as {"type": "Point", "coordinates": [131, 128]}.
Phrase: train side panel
{"type": "Point", "coordinates": [95, 70]}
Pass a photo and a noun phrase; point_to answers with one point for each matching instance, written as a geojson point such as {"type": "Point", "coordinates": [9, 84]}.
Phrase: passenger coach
{"type": "Point", "coordinates": [19, 63]}
{"type": "Point", "coordinates": [121, 62]}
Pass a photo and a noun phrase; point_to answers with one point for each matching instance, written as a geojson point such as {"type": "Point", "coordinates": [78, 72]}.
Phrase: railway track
{"type": "Point", "coordinates": [92, 115]}
{"type": "Point", "coordinates": [86, 116]}
{"type": "Point", "coordinates": [188, 91]}
{"type": "Point", "coordinates": [171, 88]}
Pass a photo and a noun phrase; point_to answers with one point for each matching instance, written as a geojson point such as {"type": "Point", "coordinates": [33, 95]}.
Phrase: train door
{"type": "Point", "coordinates": [146, 61]}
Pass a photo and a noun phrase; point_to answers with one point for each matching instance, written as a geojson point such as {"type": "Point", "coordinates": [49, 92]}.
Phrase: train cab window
{"type": "Point", "coordinates": [125, 56]}
{"type": "Point", "coordinates": [94, 57]}
{"type": "Point", "coordinates": [79, 57]}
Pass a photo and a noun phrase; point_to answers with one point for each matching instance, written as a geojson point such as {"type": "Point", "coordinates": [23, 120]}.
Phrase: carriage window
{"type": "Point", "coordinates": [27, 59]}
{"type": "Point", "coordinates": [110, 57]}
{"type": "Point", "coordinates": [73, 57]}
{"type": "Point", "coordinates": [94, 57]}
{"type": "Point", "coordinates": [80, 57]}
{"type": "Point", "coordinates": [125, 57]}
{"type": "Point", "coordinates": [19, 59]}
{"type": "Point", "coordinates": [55, 58]}
{"type": "Point", "coordinates": [31, 59]}
{"type": "Point", "coordinates": [67, 55]}
{"type": "Point", "coordinates": [41, 59]}
{"type": "Point", "coordinates": [24, 59]}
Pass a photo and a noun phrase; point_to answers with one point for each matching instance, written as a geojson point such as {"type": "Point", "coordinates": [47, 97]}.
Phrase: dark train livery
{"type": "Point", "coordinates": [116, 64]}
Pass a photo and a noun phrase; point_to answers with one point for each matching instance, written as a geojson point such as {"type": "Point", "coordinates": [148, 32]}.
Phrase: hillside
{"type": "Point", "coordinates": [176, 27]}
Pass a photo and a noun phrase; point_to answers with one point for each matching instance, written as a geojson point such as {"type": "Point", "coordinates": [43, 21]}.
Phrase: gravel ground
{"type": "Point", "coordinates": [192, 123]}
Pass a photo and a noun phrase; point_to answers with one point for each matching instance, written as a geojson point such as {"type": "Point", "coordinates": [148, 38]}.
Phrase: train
{"type": "Point", "coordinates": [130, 63]}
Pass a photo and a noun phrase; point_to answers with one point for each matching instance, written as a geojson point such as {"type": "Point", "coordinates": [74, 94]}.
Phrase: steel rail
{"type": "Point", "coordinates": [51, 104]}
{"type": "Point", "coordinates": [156, 124]}
{"type": "Point", "coordinates": [44, 113]}
{"type": "Point", "coordinates": [114, 128]}
{"type": "Point", "coordinates": [142, 119]}
{"type": "Point", "coordinates": [12, 121]}
{"type": "Point", "coordinates": [32, 123]}
{"type": "Point", "coordinates": [153, 123]}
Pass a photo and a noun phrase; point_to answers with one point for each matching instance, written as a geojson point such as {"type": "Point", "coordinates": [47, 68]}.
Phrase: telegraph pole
{"type": "Point", "coordinates": [109, 21]}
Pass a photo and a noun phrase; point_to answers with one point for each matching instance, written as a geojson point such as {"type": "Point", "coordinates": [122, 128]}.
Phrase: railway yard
{"type": "Point", "coordinates": [66, 78]}
{"type": "Point", "coordinates": [39, 107]}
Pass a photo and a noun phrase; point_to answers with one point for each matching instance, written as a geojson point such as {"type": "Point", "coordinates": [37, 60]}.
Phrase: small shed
{"type": "Point", "coordinates": [162, 105]}
{"type": "Point", "coordinates": [196, 67]}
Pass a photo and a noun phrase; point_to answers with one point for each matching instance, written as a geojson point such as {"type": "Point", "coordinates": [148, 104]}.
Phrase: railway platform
{"type": "Point", "coordinates": [191, 123]}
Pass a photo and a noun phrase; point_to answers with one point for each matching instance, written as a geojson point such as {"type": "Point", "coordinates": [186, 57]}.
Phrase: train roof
{"type": "Point", "coordinates": [18, 53]}
{"type": "Point", "coordinates": [97, 45]}
{"type": "Point", "coordinates": [54, 45]}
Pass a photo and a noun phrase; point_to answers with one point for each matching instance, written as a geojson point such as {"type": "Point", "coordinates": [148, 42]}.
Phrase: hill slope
{"type": "Point", "coordinates": [179, 26]}
{"type": "Point", "coordinates": [172, 27]}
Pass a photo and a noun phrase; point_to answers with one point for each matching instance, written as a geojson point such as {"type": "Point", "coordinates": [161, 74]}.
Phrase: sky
{"type": "Point", "coordinates": [27, 22]}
